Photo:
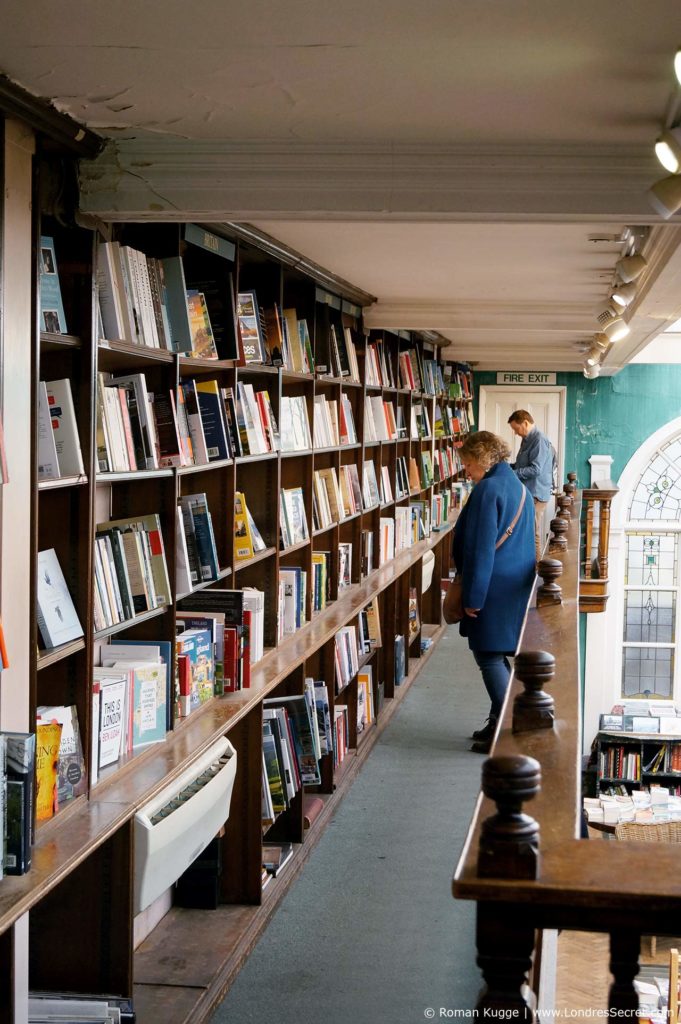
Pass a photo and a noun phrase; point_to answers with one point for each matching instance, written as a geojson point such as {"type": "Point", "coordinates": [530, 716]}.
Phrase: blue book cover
{"type": "Point", "coordinates": [211, 410]}
{"type": "Point", "coordinates": [52, 316]}
{"type": "Point", "coordinates": [174, 297]}
{"type": "Point", "coordinates": [205, 538]}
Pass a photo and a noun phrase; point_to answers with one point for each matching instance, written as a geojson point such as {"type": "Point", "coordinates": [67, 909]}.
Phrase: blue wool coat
{"type": "Point", "coordinates": [496, 581]}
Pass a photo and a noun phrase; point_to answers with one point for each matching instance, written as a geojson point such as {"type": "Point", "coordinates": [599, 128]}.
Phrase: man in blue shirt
{"type": "Point", "coordinates": [534, 466]}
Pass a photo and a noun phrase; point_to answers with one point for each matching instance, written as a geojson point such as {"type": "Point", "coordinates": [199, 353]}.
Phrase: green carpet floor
{"type": "Point", "coordinates": [369, 933]}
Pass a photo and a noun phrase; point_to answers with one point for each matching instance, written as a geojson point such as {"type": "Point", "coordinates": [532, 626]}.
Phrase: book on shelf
{"type": "Point", "coordinates": [370, 492]}
{"type": "Point", "coordinates": [203, 342]}
{"type": "Point", "coordinates": [156, 652]}
{"type": "Point", "coordinates": [366, 555]}
{"type": "Point", "coordinates": [52, 318]}
{"type": "Point", "coordinates": [280, 726]}
{"type": "Point", "coordinates": [146, 693]}
{"type": "Point", "coordinates": [195, 667]}
{"type": "Point", "coordinates": [48, 739]}
{"type": "Point", "coordinates": [294, 424]}
{"type": "Point", "coordinates": [20, 752]}
{"type": "Point", "coordinates": [341, 733]}
{"type": "Point", "coordinates": [140, 415]}
{"type": "Point", "coordinates": [192, 411]}
{"type": "Point", "coordinates": [301, 730]}
{"type": "Point", "coordinates": [414, 619]}
{"type": "Point", "coordinates": [248, 540]}
{"type": "Point", "coordinates": [322, 707]}
{"type": "Point", "coordinates": [400, 659]}
{"type": "Point", "coordinates": [71, 776]}
{"type": "Point", "coordinates": [274, 779]}
{"type": "Point", "coordinates": [198, 527]}
{"type": "Point", "coordinates": [346, 656]}
{"type": "Point", "coordinates": [293, 519]}
{"type": "Point", "coordinates": [59, 452]}
{"type": "Point", "coordinates": [292, 599]}
{"type": "Point", "coordinates": [131, 575]}
{"type": "Point", "coordinates": [251, 332]}
{"type": "Point", "coordinates": [366, 712]}
{"type": "Point", "coordinates": [48, 462]}
{"type": "Point", "coordinates": [213, 420]}
{"type": "Point", "coordinates": [344, 564]}
{"type": "Point", "coordinates": [321, 579]}
{"type": "Point", "coordinates": [57, 618]}
{"type": "Point", "coordinates": [214, 624]}
{"type": "Point", "coordinates": [112, 724]}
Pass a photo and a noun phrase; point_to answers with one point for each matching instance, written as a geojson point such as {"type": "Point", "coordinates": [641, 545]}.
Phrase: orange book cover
{"type": "Point", "coordinates": [48, 740]}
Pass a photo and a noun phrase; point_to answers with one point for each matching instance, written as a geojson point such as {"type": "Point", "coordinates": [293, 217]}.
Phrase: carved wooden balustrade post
{"type": "Point", "coordinates": [593, 591]}
{"type": "Point", "coordinates": [571, 486]}
{"type": "Point", "coordinates": [549, 569]}
{"type": "Point", "coordinates": [558, 542]}
{"type": "Point", "coordinates": [533, 709]}
{"type": "Point", "coordinates": [509, 848]}
{"type": "Point", "coordinates": [564, 503]}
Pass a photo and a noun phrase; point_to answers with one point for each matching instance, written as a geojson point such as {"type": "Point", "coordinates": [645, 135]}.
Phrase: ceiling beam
{"type": "Point", "coordinates": [166, 179]}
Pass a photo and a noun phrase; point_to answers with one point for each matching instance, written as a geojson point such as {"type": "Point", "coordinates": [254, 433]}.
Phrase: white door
{"type": "Point", "coordinates": [546, 405]}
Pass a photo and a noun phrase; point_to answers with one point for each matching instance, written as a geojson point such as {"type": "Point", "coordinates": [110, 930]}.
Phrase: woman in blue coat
{"type": "Point", "coordinates": [497, 578]}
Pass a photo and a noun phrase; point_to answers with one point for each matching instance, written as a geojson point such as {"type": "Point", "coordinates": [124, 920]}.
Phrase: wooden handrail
{"type": "Point", "coordinates": [578, 884]}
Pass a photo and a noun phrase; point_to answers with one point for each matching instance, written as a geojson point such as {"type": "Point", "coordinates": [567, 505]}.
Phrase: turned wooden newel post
{"type": "Point", "coordinates": [549, 592]}
{"type": "Point", "coordinates": [568, 491]}
{"type": "Point", "coordinates": [559, 527]}
{"type": "Point", "coordinates": [509, 839]}
{"type": "Point", "coordinates": [564, 503]}
{"type": "Point", "coordinates": [571, 486]}
{"type": "Point", "coordinates": [533, 709]}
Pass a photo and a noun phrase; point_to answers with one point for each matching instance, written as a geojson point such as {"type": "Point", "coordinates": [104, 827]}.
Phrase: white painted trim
{"type": "Point", "coordinates": [541, 389]}
{"type": "Point", "coordinates": [600, 467]}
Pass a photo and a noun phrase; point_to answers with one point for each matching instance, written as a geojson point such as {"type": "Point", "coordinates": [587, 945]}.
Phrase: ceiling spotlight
{"type": "Point", "coordinates": [629, 267]}
{"type": "Point", "coordinates": [601, 341]}
{"type": "Point", "coordinates": [623, 294]}
{"type": "Point", "coordinates": [677, 65]}
{"type": "Point", "coordinates": [591, 372]}
{"type": "Point", "coordinates": [616, 329]}
{"type": "Point", "coordinates": [593, 357]}
{"type": "Point", "coordinates": [665, 197]}
{"type": "Point", "coordinates": [668, 150]}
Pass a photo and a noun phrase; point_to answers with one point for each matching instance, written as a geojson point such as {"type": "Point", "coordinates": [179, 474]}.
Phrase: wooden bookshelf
{"type": "Point", "coordinates": [86, 852]}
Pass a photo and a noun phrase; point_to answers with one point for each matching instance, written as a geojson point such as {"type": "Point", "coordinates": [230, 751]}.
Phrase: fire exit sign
{"type": "Point", "coordinates": [525, 377]}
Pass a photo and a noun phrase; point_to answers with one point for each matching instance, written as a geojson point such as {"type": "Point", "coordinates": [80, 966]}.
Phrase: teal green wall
{"type": "Point", "coordinates": [613, 415]}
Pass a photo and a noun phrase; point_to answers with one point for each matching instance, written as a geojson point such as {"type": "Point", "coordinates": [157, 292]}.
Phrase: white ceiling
{"type": "Point", "coordinates": [450, 158]}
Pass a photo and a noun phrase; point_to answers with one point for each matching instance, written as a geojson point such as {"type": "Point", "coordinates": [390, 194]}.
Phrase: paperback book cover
{"type": "Point", "coordinates": [57, 618]}
{"type": "Point", "coordinates": [48, 739]}
{"type": "Point", "coordinates": [52, 315]}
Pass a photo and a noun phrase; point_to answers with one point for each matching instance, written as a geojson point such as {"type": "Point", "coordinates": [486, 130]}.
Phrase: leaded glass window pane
{"type": "Point", "coordinates": [647, 672]}
{"type": "Point", "coordinates": [649, 616]}
{"type": "Point", "coordinates": [658, 492]}
{"type": "Point", "coordinates": [651, 560]}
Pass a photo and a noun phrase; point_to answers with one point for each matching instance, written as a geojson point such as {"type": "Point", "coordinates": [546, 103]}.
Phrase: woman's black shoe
{"type": "Point", "coordinates": [482, 746]}
{"type": "Point", "coordinates": [487, 731]}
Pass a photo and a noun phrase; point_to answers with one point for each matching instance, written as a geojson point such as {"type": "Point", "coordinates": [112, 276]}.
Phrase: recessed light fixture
{"type": "Point", "coordinates": [591, 372]}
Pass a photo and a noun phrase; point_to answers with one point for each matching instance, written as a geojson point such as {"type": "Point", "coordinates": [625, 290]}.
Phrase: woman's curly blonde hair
{"type": "Point", "coordinates": [486, 448]}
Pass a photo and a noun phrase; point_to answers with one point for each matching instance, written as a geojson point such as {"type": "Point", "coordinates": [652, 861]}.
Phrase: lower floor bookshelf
{"type": "Point", "coordinates": [180, 978]}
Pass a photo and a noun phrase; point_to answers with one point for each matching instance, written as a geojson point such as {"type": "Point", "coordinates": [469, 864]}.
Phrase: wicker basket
{"type": "Point", "coordinates": [656, 832]}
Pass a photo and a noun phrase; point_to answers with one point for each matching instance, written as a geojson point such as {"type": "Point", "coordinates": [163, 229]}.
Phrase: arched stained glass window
{"type": "Point", "coordinates": [651, 600]}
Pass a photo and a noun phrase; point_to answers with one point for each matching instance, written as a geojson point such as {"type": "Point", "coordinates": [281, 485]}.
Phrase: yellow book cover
{"type": "Point", "coordinates": [48, 740]}
{"type": "Point", "coordinates": [243, 539]}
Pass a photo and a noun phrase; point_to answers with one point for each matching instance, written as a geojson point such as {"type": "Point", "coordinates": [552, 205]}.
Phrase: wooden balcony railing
{"type": "Point", "coordinates": [526, 867]}
{"type": "Point", "coordinates": [593, 584]}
